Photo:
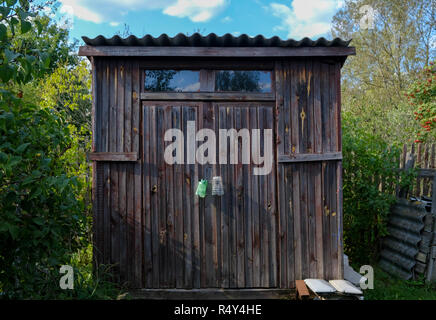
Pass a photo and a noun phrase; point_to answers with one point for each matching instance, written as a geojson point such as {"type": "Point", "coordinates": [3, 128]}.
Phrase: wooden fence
{"type": "Point", "coordinates": [422, 157]}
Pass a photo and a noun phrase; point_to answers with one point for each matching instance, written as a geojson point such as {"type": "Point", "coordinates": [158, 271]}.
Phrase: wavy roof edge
{"type": "Point", "coordinates": [212, 40]}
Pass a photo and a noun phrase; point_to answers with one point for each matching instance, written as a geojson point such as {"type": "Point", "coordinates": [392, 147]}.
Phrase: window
{"type": "Point", "coordinates": [248, 81]}
{"type": "Point", "coordinates": [172, 80]}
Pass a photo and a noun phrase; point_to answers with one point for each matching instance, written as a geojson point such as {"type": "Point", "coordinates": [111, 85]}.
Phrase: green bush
{"type": "Point", "coordinates": [369, 181]}
{"type": "Point", "coordinates": [42, 219]}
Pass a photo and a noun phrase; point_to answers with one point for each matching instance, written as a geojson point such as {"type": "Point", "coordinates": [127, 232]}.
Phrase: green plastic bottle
{"type": "Point", "coordinates": [201, 188]}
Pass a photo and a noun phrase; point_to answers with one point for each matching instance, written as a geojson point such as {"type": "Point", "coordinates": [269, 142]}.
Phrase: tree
{"type": "Point", "coordinates": [68, 90]}
{"type": "Point", "coordinates": [387, 61]}
{"type": "Point", "coordinates": [422, 98]}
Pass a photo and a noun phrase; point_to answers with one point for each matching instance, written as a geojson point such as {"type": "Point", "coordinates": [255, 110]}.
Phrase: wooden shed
{"type": "Point", "coordinates": [266, 230]}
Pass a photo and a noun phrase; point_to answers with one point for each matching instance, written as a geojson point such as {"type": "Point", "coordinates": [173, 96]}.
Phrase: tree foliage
{"type": "Point", "coordinates": [388, 59]}
{"type": "Point", "coordinates": [369, 181]}
{"type": "Point", "coordinates": [422, 98]}
{"type": "Point", "coordinates": [44, 175]}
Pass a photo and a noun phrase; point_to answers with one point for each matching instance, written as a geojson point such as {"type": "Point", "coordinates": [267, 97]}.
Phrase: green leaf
{"type": "Point", "coordinates": [39, 221]}
{"type": "Point", "coordinates": [6, 73]}
{"type": "Point", "coordinates": [25, 26]}
{"type": "Point", "coordinates": [3, 31]}
{"type": "Point", "coordinates": [10, 55]}
{"type": "Point", "coordinates": [10, 3]}
{"type": "Point", "coordinates": [22, 147]}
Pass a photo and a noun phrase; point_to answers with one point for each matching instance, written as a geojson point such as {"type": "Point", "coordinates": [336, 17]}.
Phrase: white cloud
{"type": "Point", "coordinates": [99, 11]}
{"type": "Point", "coordinates": [305, 18]}
{"type": "Point", "coordinates": [114, 24]}
{"type": "Point", "coordinates": [236, 33]}
{"type": "Point", "coordinates": [196, 10]}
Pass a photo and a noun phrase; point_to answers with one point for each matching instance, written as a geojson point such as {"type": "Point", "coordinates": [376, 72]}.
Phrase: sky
{"type": "Point", "coordinates": [287, 19]}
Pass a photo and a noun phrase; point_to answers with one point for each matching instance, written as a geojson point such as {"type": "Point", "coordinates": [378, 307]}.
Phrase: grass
{"type": "Point", "coordinates": [387, 287]}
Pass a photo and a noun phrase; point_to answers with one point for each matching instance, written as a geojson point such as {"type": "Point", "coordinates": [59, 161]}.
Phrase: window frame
{"type": "Point", "coordinates": [207, 69]}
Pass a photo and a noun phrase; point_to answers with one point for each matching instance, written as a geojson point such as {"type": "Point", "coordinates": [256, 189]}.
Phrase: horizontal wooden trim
{"type": "Point", "coordinates": [207, 96]}
{"type": "Point", "coordinates": [303, 157]}
{"type": "Point", "coordinates": [215, 51]}
{"type": "Point", "coordinates": [194, 63]}
{"type": "Point", "coordinates": [113, 156]}
{"type": "Point", "coordinates": [423, 173]}
{"type": "Point", "coordinates": [211, 294]}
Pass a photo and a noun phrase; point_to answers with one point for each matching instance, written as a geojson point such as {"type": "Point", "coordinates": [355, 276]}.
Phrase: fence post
{"type": "Point", "coordinates": [431, 269]}
{"type": "Point", "coordinates": [410, 163]}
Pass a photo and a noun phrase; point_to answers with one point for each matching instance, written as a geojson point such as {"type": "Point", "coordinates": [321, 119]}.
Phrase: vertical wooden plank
{"type": "Point", "coordinates": [317, 106]}
{"type": "Point", "coordinates": [132, 255]}
{"type": "Point", "coordinates": [164, 263]}
{"type": "Point", "coordinates": [255, 206]}
{"type": "Point", "coordinates": [210, 225]}
{"type": "Point", "coordinates": [326, 221]}
{"type": "Point", "coordinates": [239, 206]}
{"type": "Point", "coordinates": [142, 218]}
{"type": "Point", "coordinates": [178, 207]}
{"type": "Point", "coordinates": [154, 196]}
{"type": "Point", "coordinates": [295, 116]}
{"type": "Point", "coordinates": [217, 199]}
{"type": "Point", "coordinates": [304, 219]}
{"type": "Point", "coordinates": [312, 167]}
{"type": "Point", "coordinates": [281, 105]}
{"type": "Point", "coordinates": [271, 207]}
{"type": "Point", "coordinates": [303, 122]}
{"type": "Point", "coordinates": [339, 216]}
{"type": "Point", "coordinates": [297, 244]}
{"type": "Point", "coordinates": [104, 132]}
{"type": "Point", "coordinates": [195, 171]}
{"type": "Point", "coordinates": [248, 220]}
{"type": "Point", "coordinates": [418, 164]}
{"type": "Point", "coordinates": [325, 107]}
{"type": "Point", "coordinates": [225, 207]}
{"type": "Point", "coordinates": [148, 220]}
{"type": "Point", "coordinates": [426, 181]}
{"type": "Point", "coordinates": [115, 214]}
{"type": "Point", "coordinates": [124, 243]}
{"type": "Point", "coordinates": [334, 232]}
{"type": "Point", "coordinates": [232, 192]}
{"type": "Point", "coordinates": [310, 106]}
{"type": "Point", "coordinates": [282, 228]}
{"type": "Point", "coordinates": [263, 204]}
{"type": "Point", "coordinates": [291, 253]}
{"type": "Point", "coordinates": [170, 187]}
{"type": "Point", "coordinates": [187, 115]}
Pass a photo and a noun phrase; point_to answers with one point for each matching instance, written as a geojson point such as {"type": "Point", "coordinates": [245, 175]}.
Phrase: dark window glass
{"type": "Point", "coordinates": [249, 81]}
{"type": "Point", "coordinates": [172, 80]}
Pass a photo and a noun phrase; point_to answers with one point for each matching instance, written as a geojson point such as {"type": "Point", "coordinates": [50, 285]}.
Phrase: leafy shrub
{"type": "Point", "coordinates": [369, 181]}
{"type": "Point", "coordinates": [41, 218]}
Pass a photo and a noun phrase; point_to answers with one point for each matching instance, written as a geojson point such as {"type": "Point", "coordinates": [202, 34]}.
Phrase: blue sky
{"type": "Point", "coordinates": [286, 19]}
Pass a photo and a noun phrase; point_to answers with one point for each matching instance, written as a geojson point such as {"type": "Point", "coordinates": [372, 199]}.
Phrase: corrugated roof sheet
{"type": "Point", "coordinates": [212, 40]}
{"type": "Point", "coordinates": [401, 245]}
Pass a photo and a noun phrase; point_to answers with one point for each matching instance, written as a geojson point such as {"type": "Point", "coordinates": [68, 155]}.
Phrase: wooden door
{"type": "Point", "coordinates": [224, 241]}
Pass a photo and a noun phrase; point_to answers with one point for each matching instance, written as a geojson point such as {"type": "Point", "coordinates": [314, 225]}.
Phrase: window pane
{"type": "Point", "coordinates": [250, 81]}
{"type": "Point", "coordinates": [172, 80]}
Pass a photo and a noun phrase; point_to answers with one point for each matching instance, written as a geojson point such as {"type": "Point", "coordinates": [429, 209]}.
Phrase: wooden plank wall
{"type": "Point", "coordinates": [310, 193]}
{"type": "Point", "coordinates": [149, 224]}
{"type": "Point", "coordinates": [227, 241]}
{"type": "Point", "coordinates": [118, 216]}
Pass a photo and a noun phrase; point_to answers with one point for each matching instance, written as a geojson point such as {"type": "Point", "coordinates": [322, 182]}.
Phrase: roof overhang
{"type": "Point", "coordinates": [220, 52]}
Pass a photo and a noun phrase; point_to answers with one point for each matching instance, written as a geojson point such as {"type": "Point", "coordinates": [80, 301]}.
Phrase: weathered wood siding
{"type": "Point", "coordinates": [308, 105]}
{"type": "Point", "coordinates": [266, 231]}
